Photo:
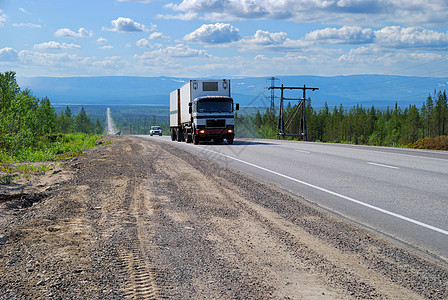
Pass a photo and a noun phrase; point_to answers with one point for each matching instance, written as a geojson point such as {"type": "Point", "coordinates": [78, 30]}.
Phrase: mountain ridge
{"type": "Point", "coordinates": [348, 90]}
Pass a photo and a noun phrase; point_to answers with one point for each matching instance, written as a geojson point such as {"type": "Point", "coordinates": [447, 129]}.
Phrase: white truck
{"type": "Point", "coordinates": [202, 110]}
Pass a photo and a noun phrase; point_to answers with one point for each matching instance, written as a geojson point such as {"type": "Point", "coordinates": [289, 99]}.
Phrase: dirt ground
{"type": "Point", "coordinates": [139, 219]}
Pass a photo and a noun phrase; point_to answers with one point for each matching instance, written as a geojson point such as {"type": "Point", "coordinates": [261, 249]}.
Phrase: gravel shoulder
{"type": "Point", "coordinates": [140, 219]}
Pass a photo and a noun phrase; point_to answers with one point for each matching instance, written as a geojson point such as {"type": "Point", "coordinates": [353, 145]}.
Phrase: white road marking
{"type": "Point", "coordinates": [381, 165]}
{"type": "Point", "coordinates": [445, 232]}
{"type": "Point", "coordinates": [302, 151]}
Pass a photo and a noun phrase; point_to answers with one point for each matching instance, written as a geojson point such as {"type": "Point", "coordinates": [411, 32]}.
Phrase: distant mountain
{"type": "Point", "coordinates": [366, 90]}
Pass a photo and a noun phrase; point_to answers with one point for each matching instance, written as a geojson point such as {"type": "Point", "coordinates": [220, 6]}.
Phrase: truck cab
{"type": "Point", "coordinates": [213, 119]}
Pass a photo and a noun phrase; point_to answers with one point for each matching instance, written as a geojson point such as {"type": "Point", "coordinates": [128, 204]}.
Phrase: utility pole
{"type": "Point", "coordinates": [284, 127]}
{"type": "Point", "coordinates": [272, 97]}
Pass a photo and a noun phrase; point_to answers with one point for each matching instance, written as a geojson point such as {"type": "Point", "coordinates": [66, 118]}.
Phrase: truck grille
{"type": "Point", "coordinates": [216, 123]}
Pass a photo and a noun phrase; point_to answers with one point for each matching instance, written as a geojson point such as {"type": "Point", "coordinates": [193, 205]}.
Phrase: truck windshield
{"type": "Point", "coordinates": [215, 105]}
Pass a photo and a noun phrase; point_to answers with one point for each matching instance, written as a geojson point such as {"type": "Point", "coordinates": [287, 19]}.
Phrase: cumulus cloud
{"type": "Point", "coordinates": [392, 37]}
{"type": "Point", "coordinates": [65, 32]}
{"type": "Point", "coordinates": [157, 36]}
{"type": "Point", "coordinates": [343, 35]}
{"type": "Point", "coordinates": [8, 54]}
{"type": "Point", "coordinates": [146, 43]}
{"type": "Point", "coordinates": [52, 45]}
{"type": "Point", "coordinates": [267, 38]}
{"type": "Point", "coordinates": [126, 25]}
{"type": "Point", "coordinates": [214, 34]}
{"type": "Point", "coordinates": [399, 37]}
{"type": "Point", "coordinates": [143, 43]}
{"type": "Point", "coordinates": [226, 35]}
{"type": "Point", "coordinates": [344, 12]}
{"type": "Point", "coordinates": [232, 8]}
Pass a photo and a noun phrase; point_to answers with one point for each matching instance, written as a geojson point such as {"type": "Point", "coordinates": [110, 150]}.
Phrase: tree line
{"type": "Point", "coordinates": [29, 122]}
{"type": "Point", "coordinates": [359, 125]}
{"type": "Point", "coordinates": [138, 120]}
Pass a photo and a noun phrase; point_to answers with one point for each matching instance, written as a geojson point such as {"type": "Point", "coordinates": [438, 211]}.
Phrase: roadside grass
{"type": "Point", "coordinates": [56, 148]}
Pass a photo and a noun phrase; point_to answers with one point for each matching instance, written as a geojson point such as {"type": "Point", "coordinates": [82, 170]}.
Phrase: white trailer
{"type": "Point", "coordinates": [202, 110]}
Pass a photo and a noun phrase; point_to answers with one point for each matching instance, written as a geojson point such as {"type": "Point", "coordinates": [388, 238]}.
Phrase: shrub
{"type": "Point", "coordinates": [437, 143]}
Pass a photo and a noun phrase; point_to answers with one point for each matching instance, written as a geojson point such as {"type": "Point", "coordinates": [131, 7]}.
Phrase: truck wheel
{"type": "Point", "coordinates": [173, 135]}
{"type": "Point", "coordinates": [230, 141]}
{"type": "Point", "coordinates": [179, 135]}
{"type": "Point", "coordinates": [188, 138]}
{"type": "Point", "coordinates": [195, 139]}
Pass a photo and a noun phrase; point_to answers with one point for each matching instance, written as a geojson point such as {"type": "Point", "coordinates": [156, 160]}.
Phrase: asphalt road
{"type": "Point", "coordinates": [110, 123]}
{"type": "Point", "coordinates": [401, 193]}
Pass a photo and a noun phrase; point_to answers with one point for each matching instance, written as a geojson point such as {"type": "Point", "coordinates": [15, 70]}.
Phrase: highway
{"type": "Point", "coordinates": [399, 193]}
{"type": "Point", "coordinates": [110, 123]}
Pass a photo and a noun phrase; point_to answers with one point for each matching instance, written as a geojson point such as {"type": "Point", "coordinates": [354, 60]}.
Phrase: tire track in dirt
{"type": "Point", "coordinates": [129, 212]}
{"type": "Point", "coordinates": [141, 283]}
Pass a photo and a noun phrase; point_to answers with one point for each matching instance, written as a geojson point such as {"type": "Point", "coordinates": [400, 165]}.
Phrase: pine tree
{"type": "Point", "coordinates": [98, 128]}
{"type": "Point", "coordinates": [82, 122]}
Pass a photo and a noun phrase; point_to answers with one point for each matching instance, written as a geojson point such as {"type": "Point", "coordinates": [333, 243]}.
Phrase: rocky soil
{"type": "Point", "coordinates": [140, 219]}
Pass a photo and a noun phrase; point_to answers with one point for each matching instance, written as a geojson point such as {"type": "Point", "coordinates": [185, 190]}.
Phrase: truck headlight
{"type": "Point", "coordinates": [230, 131]}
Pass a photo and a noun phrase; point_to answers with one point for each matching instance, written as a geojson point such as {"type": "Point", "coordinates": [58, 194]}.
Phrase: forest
{"type": "Point", "coordinates": [30, 128]}
{"type": "Point", "coordinates": [417, 127]}
{"type": "Point", "coordinates": [139, 119]}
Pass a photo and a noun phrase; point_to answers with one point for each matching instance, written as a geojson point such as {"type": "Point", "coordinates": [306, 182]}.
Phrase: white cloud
{"type": "Point", "coordinates": [399, 37]}
{"type": "Point", "coordinates": [391, 37]}
{"type": "Point", "coordinates": [344, 12]}
{"type": "Point", "coordinates": [271, 42]}
{"type": "Point", "coordinates": [126, 25]}
{"type": "Point", "coordinates": [232, 8]}
{"type": "Point", "coordinates": [101, 40]}
{"type": "Point", "coordinates": [214, 34]}
{"type": "Point", "coordinates": [65, 32]}
{"type": "Point", "coordinates": [111, 62]}
{"type": "Point", "coordinates": [143, 43]}
{"type": "Point", "coordinates": [3, 18]}
{"type": "Point", "coordinates": [71, 63]}
{"type": "Point", "coordinates": [107, 47]}
{"type": "Point", "coordinates": [375, 56]}
{"type": "Point", "coordinates": [8, 54]}
{"type": "Point", "coordinates": [267, 38]}
{"type": "Point", "coordinates": [157, 36]}
{"type": "Point", "coordinates": [29, 25]}
{"type": "Point", "coordinates": [146, 43]}
{"type": "Point", "coordinates": [55, 45]}
{"type": "Point", "coordinates": [166, 56]}
{"type": "Point", "coordinates": [343, 35]}
{"type": "Point", "coordinates": [24, 11]}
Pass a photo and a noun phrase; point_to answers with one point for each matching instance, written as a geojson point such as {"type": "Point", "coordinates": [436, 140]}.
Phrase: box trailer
{"type": "Point", "coordinates": [202, 110]}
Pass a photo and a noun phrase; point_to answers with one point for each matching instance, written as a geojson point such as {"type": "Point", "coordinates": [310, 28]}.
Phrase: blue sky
{"type": "Point", "coordinates": [201, 38]}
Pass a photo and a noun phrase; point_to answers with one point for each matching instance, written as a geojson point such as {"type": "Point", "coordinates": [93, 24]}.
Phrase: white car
{"type": "Point", "coordinates": [155, 130]}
